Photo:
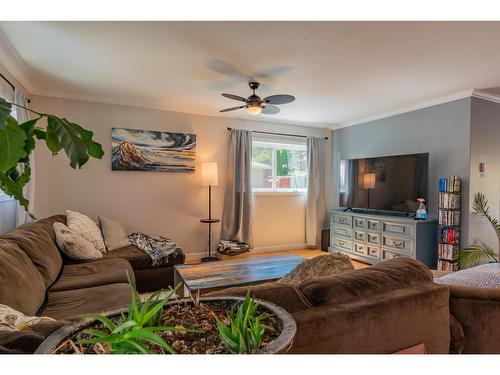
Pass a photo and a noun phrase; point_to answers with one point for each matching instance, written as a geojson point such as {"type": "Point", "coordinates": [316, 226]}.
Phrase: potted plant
{"type": "Point", "coordinates": [162, 325]}
{"type": "Point", "coordinates": [480, 251]}
{"type": "Point", "coordinates": [18, 141]}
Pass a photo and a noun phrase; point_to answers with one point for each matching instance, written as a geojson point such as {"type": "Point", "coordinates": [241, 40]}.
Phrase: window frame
{"type": "Point", "coordinates": [274, 145]}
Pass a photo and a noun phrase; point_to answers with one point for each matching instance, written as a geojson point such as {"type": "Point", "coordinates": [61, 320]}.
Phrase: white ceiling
{"type": "Point", "coordinates": [338, 71]}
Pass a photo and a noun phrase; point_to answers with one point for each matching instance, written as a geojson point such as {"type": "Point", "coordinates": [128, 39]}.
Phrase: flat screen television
{"type": "Point", "coordinates": [389, 183]}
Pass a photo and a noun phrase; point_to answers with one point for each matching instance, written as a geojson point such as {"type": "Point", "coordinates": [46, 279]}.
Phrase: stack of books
{"type": "Point", "coordinates": [449, 218]}
{"type": "Point", "coordinates": [448, 252]}
{"type": "Point", "coordinates": [449, 201]}
{"type": "Point", "coordinates": [452, 184]}
{"type": "Point", "coordinates": [447, 266]}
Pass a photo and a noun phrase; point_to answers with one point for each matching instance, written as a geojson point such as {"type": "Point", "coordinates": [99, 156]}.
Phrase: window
{"type": "Point", "coordinates": [279, 167]}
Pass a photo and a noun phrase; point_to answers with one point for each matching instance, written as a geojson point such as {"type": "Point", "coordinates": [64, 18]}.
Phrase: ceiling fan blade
{"type": "Point", "coordinates": [270, 109]}
{"type": "Point", "coordinates": [232, 109]}
{"type": "Point", "coordinates": [235, 97]}
{"type": "Point", "coordinates": [279, 99]}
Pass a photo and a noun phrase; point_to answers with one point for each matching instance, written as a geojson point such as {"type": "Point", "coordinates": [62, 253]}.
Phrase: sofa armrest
{"type": "Point", "coordinates": [384, 323]}
{"type": "Point", "coordinates": [478, 312]}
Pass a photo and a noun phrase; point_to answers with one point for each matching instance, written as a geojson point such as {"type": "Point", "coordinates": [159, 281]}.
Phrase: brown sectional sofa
{"type": "Point", "coordinates": [380, 309]}
{"type": "Point", "coordinates": [36, 279]}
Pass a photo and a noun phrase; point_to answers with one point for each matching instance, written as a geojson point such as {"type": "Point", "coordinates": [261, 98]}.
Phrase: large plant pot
{"type": "Point", "coordinates": [280, 345]}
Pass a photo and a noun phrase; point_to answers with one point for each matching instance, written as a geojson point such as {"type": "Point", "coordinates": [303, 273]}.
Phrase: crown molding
{"type": "Point", "coordinates": [428, 103]}
{"type": "Point", "coordinates": [200, 111]}
{"type": "Point", "coordinates": [486, 96]}
{"type": "Point", "coordinates": [15, 65]}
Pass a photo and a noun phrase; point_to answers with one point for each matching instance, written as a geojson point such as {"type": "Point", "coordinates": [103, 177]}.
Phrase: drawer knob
{"type": "Point", "coordinates": [398, 243]}
{"type": "Point", "coordinates": [342, 220]}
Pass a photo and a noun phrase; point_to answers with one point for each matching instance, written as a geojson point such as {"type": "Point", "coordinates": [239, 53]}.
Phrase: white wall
{"type": "Point", "coordinates": [484, 148]}
{"type": "Point", "coordinates": [169, 204]}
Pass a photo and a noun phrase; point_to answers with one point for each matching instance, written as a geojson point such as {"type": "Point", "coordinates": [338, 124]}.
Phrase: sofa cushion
{"type": "Point", "coordinates": [348, 286]}
{"type": "Point", "coordinates": [73, 245]}
{"type": "Point", "coordinates": [21, 285]}
{"type": "Point", "coordinates": [138, 258]}
{"type": "Point", "coordinates": [85, 227]}
{"type": "Point", "coordinates": [286, 296]}
{"type": "Point", "coordinates": [71, 303]}
{"type": "Point", "coordinates": [87, 275]}
{"type": "Point", "coordinates": [37, 240]}
{"type": "Point", "coordinates": [113, 233]}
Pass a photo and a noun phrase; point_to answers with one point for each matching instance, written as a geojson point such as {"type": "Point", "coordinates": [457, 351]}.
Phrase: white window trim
{"type": "Point", "coordinates": [274, 190]}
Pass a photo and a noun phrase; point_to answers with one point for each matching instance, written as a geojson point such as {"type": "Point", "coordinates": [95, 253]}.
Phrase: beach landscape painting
{"type": "Point", "coordinates": [147, 150]}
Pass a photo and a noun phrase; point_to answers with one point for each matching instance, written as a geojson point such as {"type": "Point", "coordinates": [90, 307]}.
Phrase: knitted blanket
{"type": "Point", "coordinates": [160, 249]}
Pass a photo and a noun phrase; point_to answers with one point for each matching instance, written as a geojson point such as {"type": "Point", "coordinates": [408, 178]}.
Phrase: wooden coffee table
{"type": "Point", "coordinates": [211, 276]}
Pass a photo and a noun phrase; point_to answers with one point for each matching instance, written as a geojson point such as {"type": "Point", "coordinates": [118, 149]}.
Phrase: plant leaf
{"type": "Point", "coordinates": [12, 140]}
{"type": "Point", "coordinates": [103, 319]}
{"type": "Point", "coordinates": [5, 109]}
{"type": "Point", "coordinates": [14, 189]}
{"type": "Point", "coordinates": [74, 146]}
{"type": "Point", "coordinates": [94, 149]}
{"type": "Point", "coordinates": [29, 127]}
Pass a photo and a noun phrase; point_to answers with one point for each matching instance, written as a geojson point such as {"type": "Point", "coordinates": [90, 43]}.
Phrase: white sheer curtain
{"type": "Point", "coordinates": [22, 115]}
{"type": "Point", "coordinates": [238, 202]}
{"type": "Point", "coordinates": [316, 205]}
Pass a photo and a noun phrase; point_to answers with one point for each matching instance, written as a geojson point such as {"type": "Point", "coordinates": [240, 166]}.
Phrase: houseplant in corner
{"type": "Point", "coordinates": [18, 141]}
{"type": "Point", "coordinates": [479, 251]}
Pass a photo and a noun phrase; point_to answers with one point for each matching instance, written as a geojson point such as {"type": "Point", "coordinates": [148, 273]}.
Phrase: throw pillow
{"type": "Point", "coordinates": [73, 245]}
{"type": "Point", "coordinates": [85, 227]}
{"type": "Point", "coordinates": [12, 320]}
{"type": "Point", "coordinates": [322, 265]}
{"type": "Point", "coordinates": [483, 276]}
{"type": "Point", "coordinates": [114, 235]}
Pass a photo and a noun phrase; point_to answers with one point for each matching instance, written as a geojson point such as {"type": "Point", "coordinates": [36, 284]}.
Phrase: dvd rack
{"type": "Point", "coordinates": [449, 223]}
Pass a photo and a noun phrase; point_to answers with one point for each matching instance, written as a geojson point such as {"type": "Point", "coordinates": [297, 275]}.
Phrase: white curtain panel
{"type": "Point", "coordinates": [238, 201]}
{"type": "Point", "coordinates": [22, 115]}
{"type": "Point", "coordinates": [316, 205]}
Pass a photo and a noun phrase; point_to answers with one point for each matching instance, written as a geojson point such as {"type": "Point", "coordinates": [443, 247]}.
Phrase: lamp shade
{"type": "Point", "coordinates": [369, 181]}
{"type": "Point", "coordinates": [209, 176]}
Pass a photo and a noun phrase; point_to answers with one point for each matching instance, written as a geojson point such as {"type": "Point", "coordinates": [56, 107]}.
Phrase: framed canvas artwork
{"type": "Point", "coordinates": [147, 150]}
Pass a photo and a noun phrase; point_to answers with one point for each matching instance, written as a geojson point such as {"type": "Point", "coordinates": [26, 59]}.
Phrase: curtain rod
{"type": "Point", "coordinates": [288, 135]}
{"type": "Point", "coordinates": [10, 84]}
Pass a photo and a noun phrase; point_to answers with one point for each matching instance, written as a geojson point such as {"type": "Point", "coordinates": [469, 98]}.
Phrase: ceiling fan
{"type": "Point", "coordinates": [255, 105]}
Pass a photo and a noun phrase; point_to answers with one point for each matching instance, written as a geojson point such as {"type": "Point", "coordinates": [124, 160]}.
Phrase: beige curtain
{"type": "Point", "coordinates": [238, 201]}
{"type": "Point", "coordinates": [316, 205]}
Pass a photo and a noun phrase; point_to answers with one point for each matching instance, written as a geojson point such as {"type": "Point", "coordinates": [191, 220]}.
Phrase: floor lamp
{"type": "Point", "coordinates": [209, 177]}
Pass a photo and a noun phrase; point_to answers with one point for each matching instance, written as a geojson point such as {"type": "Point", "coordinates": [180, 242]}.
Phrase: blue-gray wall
{"type": "Point", "coordinates": [442, 130]}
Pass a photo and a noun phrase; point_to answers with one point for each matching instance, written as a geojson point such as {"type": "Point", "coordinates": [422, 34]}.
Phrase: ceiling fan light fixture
{"type": "Point", "coordinates": [254, 108]}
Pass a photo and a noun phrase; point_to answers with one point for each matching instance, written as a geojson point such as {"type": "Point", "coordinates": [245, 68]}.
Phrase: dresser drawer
{"type": "Point", "coordinates": [399, 229]}
{"type": "Point", "coordinates": [342, 220]}
{"type": "Point", "coordinates": [359, 248]}
{"type": "Point", "coordinates": [341, 231]}
{"type": "Point", "coordinates": [374, 225]}
{"type": "Point", "coordinates": [342, 244]}
{"type": "Point", "coordinates": [373, 238]}
{"type": "Point", "coordinates": [404, 245]}
{"type": "Point", "coordinates": [388, 254]}
{"type": "Point", "coordinates": [359, 223]}
{"type": "Point", "coordinates": [373, 252]}
{"type": "Point", "coordinates": [360, 235]}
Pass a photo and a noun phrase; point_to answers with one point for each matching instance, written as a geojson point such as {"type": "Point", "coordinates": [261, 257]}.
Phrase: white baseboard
{"type": "Point", "coordinates": [270, 249]}
{"type": "Point", "coordinates": [263, 249]}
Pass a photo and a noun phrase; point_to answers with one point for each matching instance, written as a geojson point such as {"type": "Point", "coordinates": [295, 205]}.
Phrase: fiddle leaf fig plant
{"type": "Point", "coordinates": [18, 141]}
